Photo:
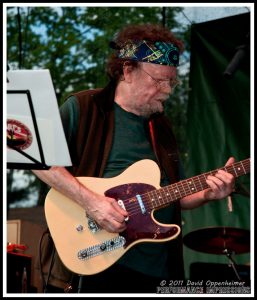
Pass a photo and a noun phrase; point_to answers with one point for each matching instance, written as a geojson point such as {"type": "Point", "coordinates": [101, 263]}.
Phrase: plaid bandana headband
{"type": "Point", "coordinates": [161, 53]}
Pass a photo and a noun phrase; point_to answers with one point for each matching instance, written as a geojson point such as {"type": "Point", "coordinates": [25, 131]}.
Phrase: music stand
{"type": "Point", "coordinates": [35, 136]}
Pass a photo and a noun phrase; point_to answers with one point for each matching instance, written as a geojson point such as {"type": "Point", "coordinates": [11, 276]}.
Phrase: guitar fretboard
{"type": "Point", "coordinates": [175, 191]}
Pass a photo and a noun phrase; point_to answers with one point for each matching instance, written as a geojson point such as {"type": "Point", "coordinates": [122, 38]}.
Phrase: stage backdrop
{"type": "Point", "coordinates": [218, 124]}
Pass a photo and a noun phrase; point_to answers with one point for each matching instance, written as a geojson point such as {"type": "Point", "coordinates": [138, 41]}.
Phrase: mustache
{"type": "Point", "coordinates": [163, 97]}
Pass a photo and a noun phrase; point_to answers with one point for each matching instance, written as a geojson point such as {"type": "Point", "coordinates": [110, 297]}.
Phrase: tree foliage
{"type": "Point", "coordinates": [72, 42]}
{"type": "Point", "coordinates": [21, 184]}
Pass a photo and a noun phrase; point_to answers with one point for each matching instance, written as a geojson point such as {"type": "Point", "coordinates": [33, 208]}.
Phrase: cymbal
{"type": "Point", "coordinates": [219, 240]}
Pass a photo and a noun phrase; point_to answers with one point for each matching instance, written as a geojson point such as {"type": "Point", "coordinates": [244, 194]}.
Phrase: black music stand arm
{"type": "Point", "coordinates": [38, 164]}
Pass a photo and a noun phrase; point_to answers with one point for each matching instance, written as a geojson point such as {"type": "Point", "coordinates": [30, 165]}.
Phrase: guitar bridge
{"type": "Point", "coordinates": [99, 249]}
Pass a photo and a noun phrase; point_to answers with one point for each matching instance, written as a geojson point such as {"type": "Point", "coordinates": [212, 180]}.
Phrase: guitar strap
{"type": "Point", "coordinates": [153, 140]}
{"type": "Point", "coordinates": [165, 147]}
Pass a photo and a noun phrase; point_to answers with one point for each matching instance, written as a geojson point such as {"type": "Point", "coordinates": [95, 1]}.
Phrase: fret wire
{"type": "Point", "coordinates": [203, 181]}
{"type": "Point", "coordinates": [156, 197]}
{"type": "Point", "coordinates": [243, 167]}
{"type": "Point", "coordinates": [204, 176]}
{"type": "Point", "coordinates": [186, 186]}
{"type": "Point", "coordinates": [166, 195]}
{"type": "Point", "coordinates": [177, 189]}
{"type": "Point", "coordinates": [152, 199]}
{"type": "Point", "coordinates": [240, 169]}
{"type": "Point", "coordinates": [232, 171]}
{"type": "Point", "coordinates": [195, 188]}
{"type": "Point", "coordinates": [195, 184]}
{"type": "Point", "coordinates": [181, 184]}
{"type": "Point", "coordinates": [155, 200]}
{"type": "Point", "coordinates": [188, 183]}
{"type": "Point", "coordinates": [173, 193]}
{"type": "Point", "coordinates": [235, 170]}
{"type": "Point", "coordinates": [161, 197]}
{"type": "Point", "coordinates": [198, 177]}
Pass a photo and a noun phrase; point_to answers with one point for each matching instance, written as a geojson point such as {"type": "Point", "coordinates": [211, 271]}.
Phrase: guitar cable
{"type": "Point", "coordinates": [69, 286]}
{"type": "Point", "coordinates": [45, 282]}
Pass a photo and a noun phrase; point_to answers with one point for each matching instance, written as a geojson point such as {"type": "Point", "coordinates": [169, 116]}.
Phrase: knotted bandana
{"type": "Point", "coordinates": [158, 52]}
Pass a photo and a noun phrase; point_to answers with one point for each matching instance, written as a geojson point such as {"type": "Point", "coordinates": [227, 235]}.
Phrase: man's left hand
{"type": "Point", "coordinates": [221, 184]}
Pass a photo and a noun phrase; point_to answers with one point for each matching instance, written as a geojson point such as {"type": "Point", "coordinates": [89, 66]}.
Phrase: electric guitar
{"type": "Point", "coordinates": [86, 249]}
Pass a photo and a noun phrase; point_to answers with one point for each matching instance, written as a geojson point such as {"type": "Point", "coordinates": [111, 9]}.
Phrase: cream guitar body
{"type": "Point", "coordinates": [69, 225]}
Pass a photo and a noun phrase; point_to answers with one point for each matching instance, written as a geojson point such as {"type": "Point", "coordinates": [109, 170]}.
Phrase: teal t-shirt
{"type": "Point", "coordinates": [130, 142]}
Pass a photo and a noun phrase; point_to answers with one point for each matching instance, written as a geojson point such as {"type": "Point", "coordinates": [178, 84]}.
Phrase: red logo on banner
{"type": "Point", "coordinates": [18, 135]}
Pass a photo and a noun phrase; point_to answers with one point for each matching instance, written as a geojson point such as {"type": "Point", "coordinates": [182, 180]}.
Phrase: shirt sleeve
{"type": "Point", "coordinates": [69, 112]}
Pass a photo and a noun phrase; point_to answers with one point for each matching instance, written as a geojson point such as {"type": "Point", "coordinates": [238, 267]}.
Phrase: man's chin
{"type": "Point", "coordinates": [156, 110]}
{"type": "Point", "coordinates": [159, 108]}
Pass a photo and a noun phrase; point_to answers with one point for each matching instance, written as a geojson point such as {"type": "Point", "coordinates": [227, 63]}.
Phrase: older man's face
{"type": "Point", "coordinates": [151, 86]}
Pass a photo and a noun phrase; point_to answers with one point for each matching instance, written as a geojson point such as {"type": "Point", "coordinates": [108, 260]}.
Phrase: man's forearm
{"type": "Point", "coordinates": [104, 210]}
{"type": "Point", "coordinates": [61, 180]}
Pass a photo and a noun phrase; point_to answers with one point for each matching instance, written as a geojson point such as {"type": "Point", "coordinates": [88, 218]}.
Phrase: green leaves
{"type": "Point", "coordinates": [73, 42]}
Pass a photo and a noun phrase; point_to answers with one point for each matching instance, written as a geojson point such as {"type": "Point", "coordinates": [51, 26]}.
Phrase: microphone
{"type": "Point", "coordinates": [240, 190]}
{"type": "Point", "coordinates": [241, 53]}
{"type": "Point", "coordinates": [230, 204]}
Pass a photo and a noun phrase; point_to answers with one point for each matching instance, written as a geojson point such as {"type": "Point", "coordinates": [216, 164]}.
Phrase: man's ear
{"type": "Point", "coordinates": [127, 72]}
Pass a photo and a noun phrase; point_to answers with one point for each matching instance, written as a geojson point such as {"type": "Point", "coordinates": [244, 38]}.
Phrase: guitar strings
{"type": "Point", "coordinates": [134, 208]}
{"type": "Point", "coordinates": [151, 199]}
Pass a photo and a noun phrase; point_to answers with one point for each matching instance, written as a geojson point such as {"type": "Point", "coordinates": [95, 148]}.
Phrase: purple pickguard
{"type": "Point", "coordinates": [139, 225]}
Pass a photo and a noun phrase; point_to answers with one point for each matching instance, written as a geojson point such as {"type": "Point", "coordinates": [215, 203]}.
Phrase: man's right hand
{"type": "Point", "coordinates": [107, 213]}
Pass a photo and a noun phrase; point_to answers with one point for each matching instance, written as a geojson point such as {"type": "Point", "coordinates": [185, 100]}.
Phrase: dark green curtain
{"type": "Point", "coordinates": [218, 124]}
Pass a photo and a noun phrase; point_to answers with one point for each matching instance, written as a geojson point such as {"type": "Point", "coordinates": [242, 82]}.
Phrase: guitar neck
{"type": "Point", "coordinates": [175, 191]}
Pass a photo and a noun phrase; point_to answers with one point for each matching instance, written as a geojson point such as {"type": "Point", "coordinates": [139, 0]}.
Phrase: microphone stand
{"type": "Point", "coordinates": [232, 262]}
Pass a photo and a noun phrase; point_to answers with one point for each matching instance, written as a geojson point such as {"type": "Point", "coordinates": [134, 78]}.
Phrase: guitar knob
{"type": "Point", "coordinates": [84, 254]}
{"type": "Point", "coordinates": [79, 228]}
{"type": "Point", "coordinates": [102, 247]}
{"type": "Point", "coordinates": [91, 224]}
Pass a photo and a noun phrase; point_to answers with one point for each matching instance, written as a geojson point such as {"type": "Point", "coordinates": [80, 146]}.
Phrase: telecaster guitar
{"type": "Point", "coordinates": [86, 249]}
